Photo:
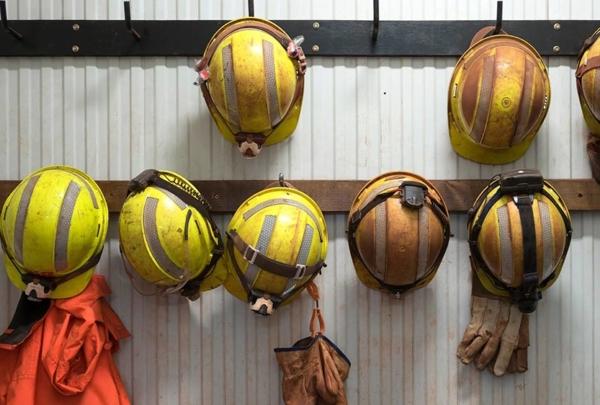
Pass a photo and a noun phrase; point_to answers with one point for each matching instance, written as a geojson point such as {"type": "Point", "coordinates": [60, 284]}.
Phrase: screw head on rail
{"type": "Point", "coordinates": [315, 48]}
{"type": "Point", "coordinates": [557, 26]}
{"type": "Point", "coordinates": [76, 27]}
{"type": "Point", "coordinates": [75, 48]}
{"type": "Point", "coordinates": [556, 49]}
{"type": "Point", "coordinates": [316, 25]}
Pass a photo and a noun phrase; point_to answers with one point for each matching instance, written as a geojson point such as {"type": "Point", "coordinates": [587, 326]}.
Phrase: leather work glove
{"type": "Point", "coordinates": [593, 150]}
{"type": "Point", "coordinates": [497, 336]}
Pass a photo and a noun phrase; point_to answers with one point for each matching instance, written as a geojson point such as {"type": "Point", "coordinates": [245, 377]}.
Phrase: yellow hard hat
{"type": "Point", "coordinates": [169, 241]}
{"type": "Point", "coordinates": [498, 98]}
{"type": "Point", "coordinates": [252, 79]}
{"type": "Point", "coordinates": [519, 234]}
{"type": "Point", "coordinates": [53, 228]}
{"type": "Point", "coordinates": [276, 244]}
{"type": "Point", "coordinates": [398, 232]}
{"type": "Point", "coordinates": [588, 82]}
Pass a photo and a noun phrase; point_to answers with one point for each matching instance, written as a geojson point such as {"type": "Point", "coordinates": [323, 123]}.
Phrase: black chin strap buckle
{"type": "Point", "coordinates": [38, 288]}
{"type": "Point", "coordinates": [413, 194]}
{"type": "Point", "coordinates": [529, 294]}
{"type": "Point", "coordinates": [141, 181]}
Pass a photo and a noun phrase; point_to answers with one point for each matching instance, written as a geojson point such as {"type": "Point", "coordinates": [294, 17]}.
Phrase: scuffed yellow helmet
{"type": "Point", "coordinates": [53, 228]}
{"type": "Point", "coordinates": [588, 82]}
{"type": "Point", "coordinates": [167, 236]}
{"type": "Point", "coordinates": [252, 79]}
{"type": "Point", "coordinates": [276, 244]}
{"type": "Point", "coordinates": [519, 233]}
{"type": "Point", "coordinates": [498, 98]}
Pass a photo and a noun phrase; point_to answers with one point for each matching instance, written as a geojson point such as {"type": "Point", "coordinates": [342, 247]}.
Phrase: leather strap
{"type": "Point", "coordinates": [588, 42]}
{"type": "Point", "coordinates": [252, 255]}
{"type": "Point", "coordinates": [253, 294]}
{"type": "Point", "coordinates": [592, 63]}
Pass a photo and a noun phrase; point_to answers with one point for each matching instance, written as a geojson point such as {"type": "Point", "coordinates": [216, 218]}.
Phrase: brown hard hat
{"type": "Point", "coordinates": [398, 231]}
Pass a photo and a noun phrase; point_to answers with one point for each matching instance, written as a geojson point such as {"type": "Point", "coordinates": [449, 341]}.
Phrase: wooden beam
{"type": "Point", "coordinates": [336, 196]}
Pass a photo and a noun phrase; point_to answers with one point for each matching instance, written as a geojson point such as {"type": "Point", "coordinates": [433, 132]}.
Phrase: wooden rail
{"type": "Point", "coordinates": [336, 196]}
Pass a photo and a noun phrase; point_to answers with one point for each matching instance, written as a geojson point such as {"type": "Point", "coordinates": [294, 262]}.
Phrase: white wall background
{"type": "Point", "coordinates": [114, 117]}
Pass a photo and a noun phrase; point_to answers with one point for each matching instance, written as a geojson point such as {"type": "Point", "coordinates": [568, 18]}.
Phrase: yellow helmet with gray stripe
{"type": "Point", "coordinates": [252, 79]}
{"type": "Point", "coordinates": [519, 234]}
{"type": "Point", "coordinates": [276, 244]}
{"type": "Point", "coordinates": [169, 241]}
{"type": "Point", "coordinates": [53, 228]}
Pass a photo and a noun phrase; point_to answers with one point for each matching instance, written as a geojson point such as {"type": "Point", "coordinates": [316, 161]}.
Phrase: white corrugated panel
{"type": "Point", "coordinates": [114, 117]}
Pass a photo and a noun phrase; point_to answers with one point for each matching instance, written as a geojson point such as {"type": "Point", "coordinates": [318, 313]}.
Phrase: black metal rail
{"type": "Point", "coordinates": [322, 37]}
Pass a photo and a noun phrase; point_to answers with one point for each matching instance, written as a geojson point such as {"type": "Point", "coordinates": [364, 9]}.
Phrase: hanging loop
{"type": "Point", "coordinates": [8, 29]}
{"type": "Point", "coordinates": [498, 28]}
{"type": "Point", "coordinates": [126, 7]}
{"type": "Point", "coordinates": [251, 8]}
{"type": "Point", "coordinates": [375, 29]}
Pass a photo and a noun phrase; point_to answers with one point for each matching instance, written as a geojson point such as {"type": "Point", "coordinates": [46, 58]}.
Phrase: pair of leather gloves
{"type": "Point", "coordinates": [497, 336]}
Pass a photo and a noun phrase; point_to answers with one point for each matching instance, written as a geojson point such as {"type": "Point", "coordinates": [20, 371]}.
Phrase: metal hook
{"type": "Point", "coordinates": [498, 18]}
{"type": "Point", "coordinates": [8, 29]}
{"type": "Point", "coordinates": [281, 180]}
{"type": "Point", "coordinates": [375, 30]}
{"type": "Point", "coordinates": [126, 6]}
{"type": "Point", "coordinates": [251, 8]}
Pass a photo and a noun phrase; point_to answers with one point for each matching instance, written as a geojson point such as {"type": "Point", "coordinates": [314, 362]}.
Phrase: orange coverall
{"type": "Point", "coordinates": [66, 356]}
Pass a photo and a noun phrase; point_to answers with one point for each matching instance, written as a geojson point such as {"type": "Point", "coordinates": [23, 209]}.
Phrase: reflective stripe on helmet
{"type": "Point", "coordinates": [484, 100]}
{"type": "Point", "coordinates": [22, 216]}
{"type": "Point", "coordinates": [151, 236]}
{"type": "Point", "coordinates": [547, 239]}
{"type": "Point", "coordinates": [526, 103]}
{"type": "Point", "coordinates": [302, 257]}
{"type": "Point", "coordinates": [87, 186]}
{"type": "Point", "coordinates": [271, 83]}
{"type": "Point", "coordinates": [230, 90]}
{"type": "Point", "coordinates": [380, 240]}
{"type": "Point", "coordinates": [61, 244]}
{"type": "Point", "coordinates": [423, 249]}
{"type": "Point", "coordinates": [506, 253]}
{"type": "Point", "coordinates": [264, 238]}
{"type": "Point", "coordinates": [279, 201]}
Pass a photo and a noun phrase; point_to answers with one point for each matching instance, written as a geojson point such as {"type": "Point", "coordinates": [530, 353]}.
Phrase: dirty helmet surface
{"type": "Point", "coordinates": [252, 79]}
{"type": "Point", "coordinates": [588, 82]}
{"type": "Point", "coordinates": [53, 228]}
{"type": "Point", "coordinates": [276, 243]}
{"type": "Point", "coordinates": [519, 233]}
{"type": "Point", "coordinates": [168, 239]}
{"type": "Point", "coordinates": [398, 231]}
{"type": "Point", "coordinates": [498, 98]}
{"type": "Point", "coordinates": [588, 88]}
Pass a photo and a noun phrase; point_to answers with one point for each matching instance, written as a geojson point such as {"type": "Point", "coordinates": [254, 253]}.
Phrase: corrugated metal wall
{"type": "Point", "coordinates": [114, 117]}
